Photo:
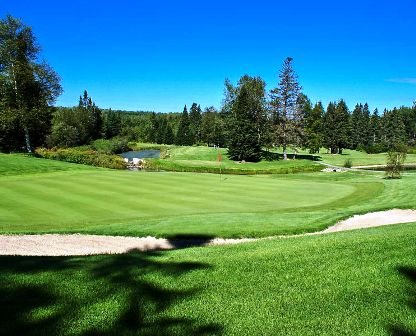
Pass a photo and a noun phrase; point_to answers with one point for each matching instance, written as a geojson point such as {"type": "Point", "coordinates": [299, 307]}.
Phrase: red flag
{"type": "Point", "coordinates": [219, 157]}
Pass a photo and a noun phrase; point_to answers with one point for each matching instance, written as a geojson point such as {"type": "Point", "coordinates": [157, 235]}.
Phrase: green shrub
{"type": "Point", "coordinates": [411, 150]}
{"type": "Point", "coordinates": [394, 165]}
{"type": "Point", "coordinates": [348, 163]}
{"type": "Point", "coordinates": [376, 148]}
{"type": "Point", "coordinates": [88, 157]}
{"type": "Point", "coordinates": [112, 146]}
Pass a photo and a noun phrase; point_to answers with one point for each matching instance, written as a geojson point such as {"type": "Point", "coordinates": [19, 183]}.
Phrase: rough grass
{"type": "Point", "coordinates": [350, 283]}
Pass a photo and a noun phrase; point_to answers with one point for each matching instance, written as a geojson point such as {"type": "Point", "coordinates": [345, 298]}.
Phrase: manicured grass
{"type": "Point", "coordinates": [350, 283]}
{"type": "Point", "coordinates": [20, 164]}
{"type": "Point", "coordinates": [203, 159]}
{"type": "Point", "coordinates": [194, 158]}
{"type": "Point", "coordinates": [143, 203]}
{"type": "Point", "coordinates": [359, 158]}
{"type": "Point", "coordinates": [160, 204]}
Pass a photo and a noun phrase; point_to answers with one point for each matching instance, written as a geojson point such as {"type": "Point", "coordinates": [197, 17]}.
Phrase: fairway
{"type": "Point", "coordinates": [79, 200]}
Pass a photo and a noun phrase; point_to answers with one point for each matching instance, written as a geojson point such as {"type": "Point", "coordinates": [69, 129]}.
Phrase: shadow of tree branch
{"type": "Point", "coordinates": [36, 298]}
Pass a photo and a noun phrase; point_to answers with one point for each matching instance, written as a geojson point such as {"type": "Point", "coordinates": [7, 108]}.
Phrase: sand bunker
{"type": "Point", "coordinates": [78, 244]}
{"type": "Point", "coordinates": [373, 219]}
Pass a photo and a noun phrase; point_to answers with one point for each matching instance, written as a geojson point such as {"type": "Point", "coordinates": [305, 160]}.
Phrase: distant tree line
{"type": "Point", "coordinates": [250, 120]}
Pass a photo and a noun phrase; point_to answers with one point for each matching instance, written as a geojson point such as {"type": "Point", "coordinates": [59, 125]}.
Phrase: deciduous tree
{"type": "Point", "coordinates": [28, 87]}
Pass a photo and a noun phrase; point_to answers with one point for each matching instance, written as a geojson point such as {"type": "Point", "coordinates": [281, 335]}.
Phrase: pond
{"type": "Point", "coordinates": [142, 154]}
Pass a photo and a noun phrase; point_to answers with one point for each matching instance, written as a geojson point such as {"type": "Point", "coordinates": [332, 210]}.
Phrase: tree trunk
{"type": "Point", "coordinates": [27, 140]}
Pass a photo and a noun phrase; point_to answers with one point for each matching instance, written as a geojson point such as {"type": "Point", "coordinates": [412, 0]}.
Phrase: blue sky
{"type": "Point", "coordinates": [160, 55]}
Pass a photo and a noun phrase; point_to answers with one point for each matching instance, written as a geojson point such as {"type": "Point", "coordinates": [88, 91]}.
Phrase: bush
{"type": "Point", "coordinates": [88, 157]}
{"type": "Point", "coordinates": [411, 150]}
{"type": "Point", "coordinates": [394, 165]}
{"type": "Point", "coordinates": [112, 146]}
{"type": "Point", "coordinates": [348, 163]}
{"type": "Point", "coordinates": [376, 148]}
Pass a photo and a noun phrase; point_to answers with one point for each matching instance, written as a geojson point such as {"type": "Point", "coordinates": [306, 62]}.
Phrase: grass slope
{"type": "Point", "coordinates": [351, 283]}
{"type": "Point", "coordinates": [21, 164]}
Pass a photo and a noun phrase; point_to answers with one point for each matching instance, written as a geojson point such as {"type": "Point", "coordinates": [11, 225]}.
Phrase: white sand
{"type": "Point", "coordinates": [372, 219]}
{"type": "Point", "coordinates": [78, 244]}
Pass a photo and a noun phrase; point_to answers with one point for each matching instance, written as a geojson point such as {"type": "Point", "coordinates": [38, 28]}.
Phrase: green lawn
{"type": "Point", "coordinates": [21, 164]}
{"type": "Point", "coordinates": [203, 158]}
{"type": "Point", "coordinates": [350, 283]}
{"type": "Point", "coordinates": [83, 199]}
{"type": "Point", "coordinates": [359, 158]}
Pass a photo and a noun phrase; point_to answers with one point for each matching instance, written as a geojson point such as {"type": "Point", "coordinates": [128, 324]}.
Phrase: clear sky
{"type": "Point", "coordinates": [159, 55]}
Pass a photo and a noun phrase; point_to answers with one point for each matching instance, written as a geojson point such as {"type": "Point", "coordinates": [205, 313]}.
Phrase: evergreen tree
{"type": "Point", "coordinates": [28, 88]}
{"type": "Point", "coordinates": [286, 114]}
{"type": "Point", "coordinates": [195, 123]}
{"type": "Point", "coordinates": [169, 137]}
{"type": "Point", "coordinates": [375, 132]}
{"type": "Point", "coordinates": [394, 131]}
{"type": "Point", "coordinates": [183, 134]}
{"type": "Point", "coordinates": [153, 128]}
{"type": "Point", "coordinates": [94, 114]}
{"type": "Point", "coordinates": [212, 127]}
{"type": "Point", "coordinates": [314, 128]}
{"type": "Point", "coordinates": [336, 127]}
{"type": "Point", "coordinates": [112, 124]}
{"type": "Point", "coordinates": [356, 119]}
{"type": "Point", "coordinates": [243, 142]}
{"type": "Point", "coordinates": [365, 130]}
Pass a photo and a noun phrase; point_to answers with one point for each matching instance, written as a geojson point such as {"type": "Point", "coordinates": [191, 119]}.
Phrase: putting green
{"type": "Point", "coordinates": [95, 200]}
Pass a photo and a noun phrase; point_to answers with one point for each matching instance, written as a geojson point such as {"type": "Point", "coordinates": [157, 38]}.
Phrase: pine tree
{"type": "Point", "coordinates": [243, 142]}
{"type": "Point", "coordinates": [365, 130]}
{"type": "Point", "coordinates": [112, 124]}
{"type": "Point", "coordinates": [314, 128]}
{"type": "Point", "coordinates": [169, 137]}
{"type": "Point", "coordinates": [212, 127]}
{"type": "Point", "coordinates": [394, 131]}
{"type": "Point", "coordinates": [94, 114]}
{"type": "Point", "coordinates": [375, 128]}
{"type": "Point", "coordinates": [286, 114]}
{"type": "Point", "coordinates": [336, 127]}
{"type": "Point", "coordinates": [195, 123]}
{"type": "Point", "coordinates": [356, 119]}
{"type": "Point", "coordinates": [183, 134]}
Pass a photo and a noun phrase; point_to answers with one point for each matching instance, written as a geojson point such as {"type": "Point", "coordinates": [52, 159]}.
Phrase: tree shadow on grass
{"type": "Point", "coordinates": [136, 293]}
{"type": "Point", "coordinates": [402, 330]}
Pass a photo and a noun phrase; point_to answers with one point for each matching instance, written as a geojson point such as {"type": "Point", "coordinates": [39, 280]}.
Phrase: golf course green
{"type": "Point", "coordinates": [70, 198]}
{"type": "Point", "coordinates": [348, 283]}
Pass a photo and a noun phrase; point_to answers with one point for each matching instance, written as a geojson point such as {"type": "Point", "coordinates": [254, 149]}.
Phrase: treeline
{"type": "Point", "coordinates": [250, 119]}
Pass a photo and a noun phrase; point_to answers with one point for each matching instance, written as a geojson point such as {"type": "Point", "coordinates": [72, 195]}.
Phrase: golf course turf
{"type": "Point", "coordinates": [351, 283]}
{"type": "Point", "coordinates": [359, 282]}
